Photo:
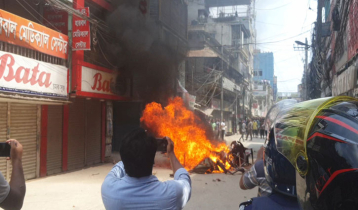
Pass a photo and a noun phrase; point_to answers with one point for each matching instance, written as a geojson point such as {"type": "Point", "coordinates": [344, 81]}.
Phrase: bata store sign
{"type": "Point", "coordinates": [95, 81]}
{"type": "Point", "coordinates": [22, 32]}
{"type": "Point", "coordinates": [23, 75]}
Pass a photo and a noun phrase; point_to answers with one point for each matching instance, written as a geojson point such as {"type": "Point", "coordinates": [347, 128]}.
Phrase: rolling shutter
{"type": "Point", "coordinates": [76, 134]}
{"type": "Point", "coordinates": [93, 134]}
{"type": "Point", "coordinates": [3, 138]}
{"type": "Point", "coordinates": [54, 139]}
{"type": "Point", "coordinates": [23, 127]}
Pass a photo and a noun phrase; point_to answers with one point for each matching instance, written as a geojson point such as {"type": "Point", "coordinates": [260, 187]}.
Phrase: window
{"type": "Point", "coordinates": [260, 73]}
{"type": "Point", "coordinates": [255, 73]}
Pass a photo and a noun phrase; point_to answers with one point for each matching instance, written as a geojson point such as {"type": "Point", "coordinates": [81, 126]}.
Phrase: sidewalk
{"type": "Point", "coordinates": [79, 190]}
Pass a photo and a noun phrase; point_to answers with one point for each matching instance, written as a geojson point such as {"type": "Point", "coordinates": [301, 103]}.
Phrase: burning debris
{"type": "Point", "coordinates": [192, 146]}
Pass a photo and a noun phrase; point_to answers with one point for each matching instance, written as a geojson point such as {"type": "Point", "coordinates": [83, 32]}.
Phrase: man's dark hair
{"type": "Point", "coordinates": [137, 151]}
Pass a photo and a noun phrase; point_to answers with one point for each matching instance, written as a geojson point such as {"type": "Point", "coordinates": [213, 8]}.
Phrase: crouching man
{"type": "Point", "coordinates": [131, 185]}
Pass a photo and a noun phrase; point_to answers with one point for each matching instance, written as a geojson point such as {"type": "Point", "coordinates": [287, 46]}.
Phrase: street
{"type": "Point", "coordinates": [81, 190]}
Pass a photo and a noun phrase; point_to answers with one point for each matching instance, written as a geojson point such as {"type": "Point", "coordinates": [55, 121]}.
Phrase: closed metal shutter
{"type": "Point", "coordinates": [93, 134]}
{"type": "Point", "coordinates": [3, 138]}
{"type": "Point", "coordinates": [23, 127]}
{"type": "Point", "coordinates": [54, 139]}
{"type": "Point", "coordinates": [76, 134]}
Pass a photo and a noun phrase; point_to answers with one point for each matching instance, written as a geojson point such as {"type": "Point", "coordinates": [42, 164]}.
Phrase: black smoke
{"type": "Point", "coordinates": [140, 53]}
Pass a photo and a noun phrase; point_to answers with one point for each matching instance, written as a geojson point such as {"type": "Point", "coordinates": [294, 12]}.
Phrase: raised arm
{"type": "Point", "coordinates": [173, 159]}
{"type": "Point", "coordinates": [17, 192]}
{"type": "Point", "coordinates": [181, 176]}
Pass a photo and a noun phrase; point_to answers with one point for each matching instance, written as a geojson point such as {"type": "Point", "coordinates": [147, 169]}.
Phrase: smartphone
{"type": "Point", "coordinates": [5, 150]}
{"type": "Point", "coordinates": [162, 145]}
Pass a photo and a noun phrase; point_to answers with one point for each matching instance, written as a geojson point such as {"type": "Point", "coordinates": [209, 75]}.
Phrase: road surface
{"type": "Point", "coordinates": [81, 190]}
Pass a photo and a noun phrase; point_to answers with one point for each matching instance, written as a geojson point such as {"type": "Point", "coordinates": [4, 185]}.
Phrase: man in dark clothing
{"type": "Point", "coordinates": [249, 130]}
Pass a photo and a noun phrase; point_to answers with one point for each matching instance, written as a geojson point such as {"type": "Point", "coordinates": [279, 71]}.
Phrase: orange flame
{"type": "Point", "coordinates": [190, 142]}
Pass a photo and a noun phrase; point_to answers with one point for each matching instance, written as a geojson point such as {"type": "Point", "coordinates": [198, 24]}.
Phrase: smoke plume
{"type": "Point", "coordinates": [141, 54]}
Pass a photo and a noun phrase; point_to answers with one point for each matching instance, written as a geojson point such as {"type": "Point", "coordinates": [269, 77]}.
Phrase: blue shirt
{"type": "Point", "coordinates": [120, 191]}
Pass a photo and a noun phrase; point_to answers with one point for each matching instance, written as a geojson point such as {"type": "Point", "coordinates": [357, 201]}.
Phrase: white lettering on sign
{"type": "Point", "coordinates": [79, 33]}
{"type": "Point", "coordinates": [81, 45]}
{"type": "Point", "coordinates": [59, 44]}
{"type": "Point", "coordinates": [23, 75]}
{"type": "Point", "coordinates": [8, 26]}
{"type": "Point", "coordinates": [95, 81]}
{"type": "Point", "coordinates": [81, 22]}
{"type": "Point", "coordinates": [32, 35]}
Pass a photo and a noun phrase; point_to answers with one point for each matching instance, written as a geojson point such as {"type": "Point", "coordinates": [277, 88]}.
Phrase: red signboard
{"type": "Point", "coordinates": [143, 7]}
{"type": "Point", "coordinates": [56, 19]}
{"type": "Point", "coordinates": [81, 35]}
{"type": "Point", "coordinates": [25, 33]}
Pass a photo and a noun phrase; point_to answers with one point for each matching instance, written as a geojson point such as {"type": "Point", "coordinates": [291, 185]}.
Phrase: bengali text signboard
{"type": "Point", "coordinates": [56, 19]}
{"type": "Point", "coordinates": [81, 37]}
{"type": "Point", "coordinates": [22, 32]}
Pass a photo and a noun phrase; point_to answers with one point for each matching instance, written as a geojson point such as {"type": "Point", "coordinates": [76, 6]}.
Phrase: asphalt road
{"type": "Point", "coordinates": [80, 190]}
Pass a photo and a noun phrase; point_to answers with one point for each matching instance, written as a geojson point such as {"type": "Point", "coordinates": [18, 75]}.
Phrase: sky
{"type": "Point", "coordinates": [284, 20]}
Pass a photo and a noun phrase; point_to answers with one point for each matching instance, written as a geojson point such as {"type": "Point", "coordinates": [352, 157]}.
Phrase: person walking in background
{"type": "Point", "coordinates": [249, 130]}
{"type": "Point", "coordinates": [258, 127]}
{"type": "Point", "coordinates": [243, 130]}
{"type": "Point", "coordinates": [262, 131]}
{"type": "Point", "coordinates": [218, 129]}
{"type": "Point", "coordinates": [254, 127]}
{"type": "Point", "coordinates": [213, 125]}
{"type": "Point", "coordinates": [239, 129]}
{"type": "Point", "coordinates": [266, 129]}
{"type": "Point", "coordinates": [223, 129]}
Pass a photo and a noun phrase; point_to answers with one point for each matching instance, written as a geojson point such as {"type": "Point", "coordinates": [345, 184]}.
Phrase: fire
{"type": "Point", "coordinates": [189, 137]}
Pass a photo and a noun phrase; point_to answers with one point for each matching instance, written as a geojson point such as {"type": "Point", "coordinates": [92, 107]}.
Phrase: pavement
{"type": "Point", "coordinates": [81, 190]}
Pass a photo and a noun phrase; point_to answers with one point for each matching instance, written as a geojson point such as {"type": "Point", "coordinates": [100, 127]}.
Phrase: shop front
{"type": "Point", "coordinates": [90, 115]}
{"type": "Point", "coordinates": [33, 75]}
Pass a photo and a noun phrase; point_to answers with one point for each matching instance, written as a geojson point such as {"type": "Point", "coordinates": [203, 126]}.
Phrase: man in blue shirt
{"type": "Point", "coordinates": [131, 185]}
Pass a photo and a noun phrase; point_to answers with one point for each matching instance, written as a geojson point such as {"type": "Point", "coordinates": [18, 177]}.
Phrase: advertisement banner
{"type": "Point", "coordinates": [23, 75]}
{"type": "Point", "coordinates": [95, 81]}
{"type": "Point", "coordinates": [56, 19]}
{"type": "Point", "coordinates": [22, 32]}
{"type": "Point", "coordinates": [81, 35]}
{"type": "Point", "coordinates": [259, 93]}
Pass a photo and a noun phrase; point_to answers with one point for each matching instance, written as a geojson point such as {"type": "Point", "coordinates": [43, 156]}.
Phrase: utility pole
{"type": "Point", "coordinates": [243, 101]}
{"type": "Point", "coordinates": [306, 68]}
{"type": "Point", "coordinates": [237, 98]}
{"type": "Point", "coordinates": [305, 48]}
{"type": "Point", "coordinates": [222, 78]}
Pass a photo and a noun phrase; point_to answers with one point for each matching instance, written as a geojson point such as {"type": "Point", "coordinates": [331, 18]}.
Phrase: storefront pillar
{"type": "Point", "coordinates": [65, 138]}
{"type": "Point", "coordinates": [43, 146]}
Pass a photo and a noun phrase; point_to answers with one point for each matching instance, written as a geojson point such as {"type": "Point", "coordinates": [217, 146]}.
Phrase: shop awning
{"type": "Point", "coordinates": [207, 112]}
{"type": "Point", "coordinates": [31, 100]}
{"type": "Point", "coordinates": [225, 3]}
{"type": "Point", "coordinates": [204, 53]}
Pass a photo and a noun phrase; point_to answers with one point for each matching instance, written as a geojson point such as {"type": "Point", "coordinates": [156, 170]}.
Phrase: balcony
{"type": "Point", "coordinates": [198, 27]}
{"type": "Point", "coordinates": [225, 3]}
{"type": "Point", "coordinates": [230, 85]}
